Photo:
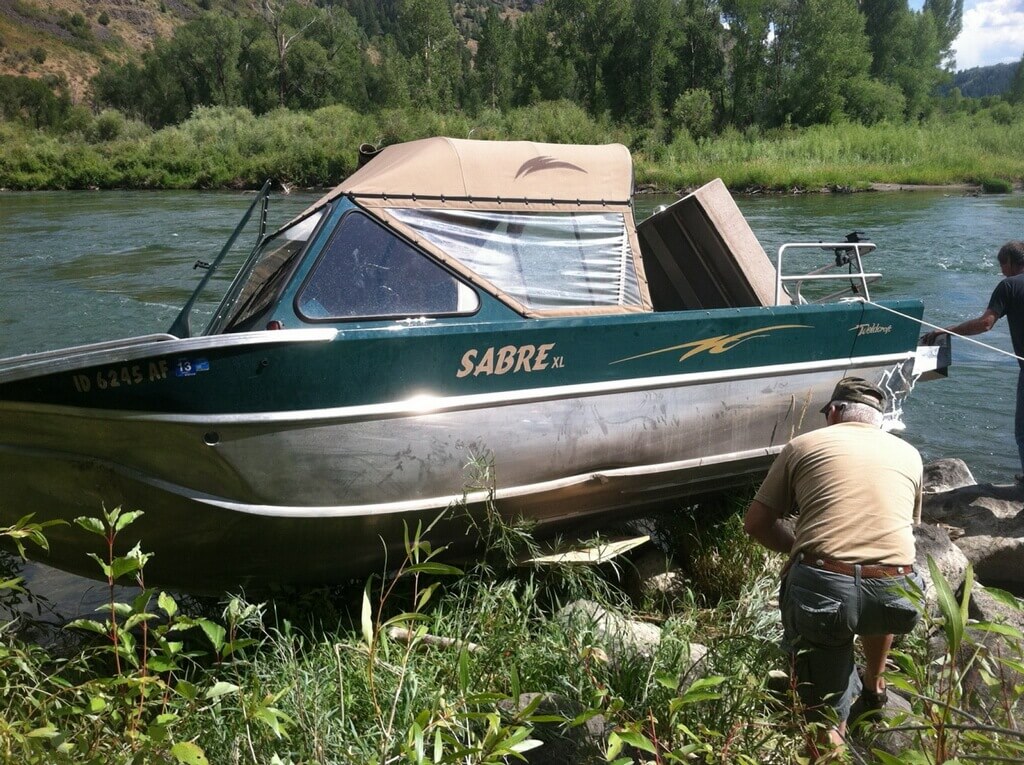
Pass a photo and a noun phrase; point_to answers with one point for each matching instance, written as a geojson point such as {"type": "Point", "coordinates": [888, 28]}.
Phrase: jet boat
{"type": "Point", "coordinates": [454, 309]}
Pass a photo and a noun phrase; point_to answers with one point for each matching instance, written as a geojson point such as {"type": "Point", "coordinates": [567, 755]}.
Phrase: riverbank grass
{"type": "Point", "coordinates": [221, 147]}
{"type": "Point", "coordinates": [445, 665]}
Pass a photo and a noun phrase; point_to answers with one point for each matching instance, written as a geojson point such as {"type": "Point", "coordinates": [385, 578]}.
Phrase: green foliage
{"type": "Point", "coordinates": [964, 693]}
{"type": "Point", "coordinates": [230, 147]}
{"type": "Point", "coordinates": [1016, 93]}
{"type": "Point", "coordinates": [996, 186]}
{"type": "Point", "coordinates": [103, 19]}
{"type": "Point", "coordinates": [32, 102]}
{"type": "Point", "coordinates": [831, 52]}
{"type": "Point", "coordinates": [694, 112]}
{"type": "Point", "coordinates": [137, 675]}
{"type": "Point", "coordinates": [433, 661]}
{"type": "Point", "coordinates": [1003, 114]}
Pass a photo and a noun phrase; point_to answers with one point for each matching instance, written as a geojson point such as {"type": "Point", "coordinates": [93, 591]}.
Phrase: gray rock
{"type": "Point", "coordinates": [651, 577]}
{"type": "Point", "coordinates": [985, 607]}
{"type": "Point", "coordinates": [695, 665]}
{"type": "Point", "coordinates": [946, 474]}
{"type": "Point", "coordinates": [870, 727]}
{"type": "Point", "coordinates": [998, 560]}
{"type": "Point", "coordinates": [979, 650]}
{"type": "Point", "coordinates": [622, 639]}
{"type": "Point", "coordinates": [562, 744]}
{"type": "Point", "coordinates": [989, 527]}
{"type": "Point", "coordinates": [934, 541]}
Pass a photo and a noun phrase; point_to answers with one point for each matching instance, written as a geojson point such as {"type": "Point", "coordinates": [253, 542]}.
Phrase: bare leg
{"type": "Point", "coordinates": [876, 651]}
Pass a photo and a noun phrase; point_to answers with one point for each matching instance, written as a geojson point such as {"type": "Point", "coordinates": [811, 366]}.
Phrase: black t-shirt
{"type": "Point", "coordinates": [1008, 300]}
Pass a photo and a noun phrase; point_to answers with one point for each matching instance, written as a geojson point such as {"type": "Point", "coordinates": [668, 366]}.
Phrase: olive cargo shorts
{"type": "Point", "coordinates": [821, 613]}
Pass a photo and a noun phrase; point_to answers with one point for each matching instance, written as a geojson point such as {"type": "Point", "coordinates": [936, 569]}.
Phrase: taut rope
{"type": "Point", "coordinates": [924, 323]}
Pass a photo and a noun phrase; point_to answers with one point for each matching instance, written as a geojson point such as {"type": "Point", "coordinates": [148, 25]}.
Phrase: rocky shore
{"type": "Point", "coordinates": [964, 524]}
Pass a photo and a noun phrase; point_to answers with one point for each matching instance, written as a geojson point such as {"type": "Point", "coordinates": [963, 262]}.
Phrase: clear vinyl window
{"type": "Point", "coordinates": [542, 260]}
{"type": "Point", "coordinates": [366, 271]}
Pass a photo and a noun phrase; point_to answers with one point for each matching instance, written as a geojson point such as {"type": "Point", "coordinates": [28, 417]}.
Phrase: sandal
{"type": "Point", "coordinates": [874, 699]}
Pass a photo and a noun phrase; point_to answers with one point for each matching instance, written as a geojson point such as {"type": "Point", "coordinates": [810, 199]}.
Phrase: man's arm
{"type": "Point", "coordinates": [764, 525]}
{"type": "Point", "coordinates": [975, 326]}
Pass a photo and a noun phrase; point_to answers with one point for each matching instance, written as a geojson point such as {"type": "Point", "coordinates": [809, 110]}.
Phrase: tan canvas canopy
{"type": "Point", "coordinates": [457, 170]}
{"type": "Point", "coordinates": [546, 228]}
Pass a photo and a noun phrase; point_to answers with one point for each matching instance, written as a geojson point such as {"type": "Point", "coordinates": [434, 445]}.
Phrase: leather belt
{"type": "Point", "coordinates": [867, 570]}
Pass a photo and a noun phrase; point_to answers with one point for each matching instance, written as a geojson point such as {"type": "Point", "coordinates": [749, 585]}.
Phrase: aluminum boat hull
{"type": "Point", "coordinates": [236, 495]}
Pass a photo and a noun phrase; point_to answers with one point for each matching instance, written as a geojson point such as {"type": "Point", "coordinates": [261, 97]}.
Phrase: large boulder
{"type": "Point", "coordinates": [988, 527]}
{"type": "Point", "coordinates": [947, 474]}
{"type": "Point", "coordinates": [623, 640]}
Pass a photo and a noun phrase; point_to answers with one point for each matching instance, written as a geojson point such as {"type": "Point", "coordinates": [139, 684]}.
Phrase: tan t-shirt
{"type": "Point", "coordinates": [858, 490]}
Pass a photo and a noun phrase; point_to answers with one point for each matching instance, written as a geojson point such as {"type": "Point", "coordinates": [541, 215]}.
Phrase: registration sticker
{"type": "Point", "coordinates": [190, 367]}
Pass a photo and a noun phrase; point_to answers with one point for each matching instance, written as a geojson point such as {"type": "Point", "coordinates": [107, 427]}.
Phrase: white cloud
{"type": "Point", "coordinates": [993, 33]}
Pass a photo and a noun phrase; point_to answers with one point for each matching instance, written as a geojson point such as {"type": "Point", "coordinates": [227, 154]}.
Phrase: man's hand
{"type": "Point", "coordinates": [976, 326]}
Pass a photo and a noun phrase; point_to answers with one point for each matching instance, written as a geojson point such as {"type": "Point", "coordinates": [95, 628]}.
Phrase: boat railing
{"type": "Point", "coordinates": [848, 254]}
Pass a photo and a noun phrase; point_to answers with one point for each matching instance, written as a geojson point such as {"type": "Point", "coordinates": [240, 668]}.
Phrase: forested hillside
{"type": "Point", "coordinates": [982, 81]}
{"type": "Point", "coordinates": [663, 65]}
{"type": "Point", "coordinates": [728, 87]}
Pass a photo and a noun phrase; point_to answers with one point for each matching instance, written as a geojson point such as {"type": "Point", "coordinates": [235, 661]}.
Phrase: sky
{"type": "Point", "coordinates": [993, 32]}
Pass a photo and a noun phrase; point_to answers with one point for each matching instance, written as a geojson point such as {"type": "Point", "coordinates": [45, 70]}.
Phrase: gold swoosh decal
{"type": "Point", "coordinates": [717, 344]}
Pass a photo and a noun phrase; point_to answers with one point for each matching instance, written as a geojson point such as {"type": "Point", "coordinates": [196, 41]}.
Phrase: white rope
{"type": "Point", "coordinates": [924, 323]}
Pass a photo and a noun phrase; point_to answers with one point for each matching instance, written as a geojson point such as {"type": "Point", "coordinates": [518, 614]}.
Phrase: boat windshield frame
{"type": "Point", "coordinates": [182, 326]}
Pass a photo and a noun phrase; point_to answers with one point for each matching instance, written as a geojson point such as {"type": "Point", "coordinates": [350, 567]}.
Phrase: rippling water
{"type": "Point", "coordinates": [79, 267]}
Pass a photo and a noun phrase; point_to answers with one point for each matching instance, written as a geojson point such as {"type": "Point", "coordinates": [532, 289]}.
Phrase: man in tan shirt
{"type": "Point", "coordinates": [857, 490]}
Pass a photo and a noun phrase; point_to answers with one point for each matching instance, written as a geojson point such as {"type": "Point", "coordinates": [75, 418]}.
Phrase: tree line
{"type": "Point", "coordinates": [661, 66]}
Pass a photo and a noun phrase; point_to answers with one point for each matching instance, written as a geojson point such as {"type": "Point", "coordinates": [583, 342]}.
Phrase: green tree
{"type": "Point", "coordinates": [694, 112]}
{"type": "Point", "coordinates": [280, 19]}
{"type": "Point", "coordinates": [905, 50]}
{"type": "Point", "coordinates": [586, 32]}
{"type": "Point", "coordinates": [697, 44]}
{"type": "Point", "coordinates": [749, 23]}
{"type": "Point", "coordinates": [324, 65]}
{"type": "Point", "coordinates": [387, 75]}
{"type": "Point", "coordinates": [831, 53]}
{"type": "Point", "coordinates": [494, 60]}
{"type": "Point", "coordinates": [205, 55]}
{"type": "Point", "coordinates": [948, 16]}
{"type": "Point", "coordinates": [634, 74]}
{"type": "Point", "coordinates": [1016, 92]}
{"type": "Point", "coordinates": [257, 65]}
{"type": "Point", "coordinates": [32, 102]}
{"type": "Point", "coordinates": [430, 41]}
{"type": "Point", "coordinates": [541, 73]}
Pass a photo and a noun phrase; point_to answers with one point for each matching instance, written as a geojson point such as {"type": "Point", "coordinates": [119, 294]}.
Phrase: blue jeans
{"type": "Point", "coordinates": [1018, 419]}
{"type": "Point", "coordinates": [821, 614]}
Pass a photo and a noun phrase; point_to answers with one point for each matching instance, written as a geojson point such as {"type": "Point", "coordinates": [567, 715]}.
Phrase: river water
{"type": "Point", "coordinates": [79, 267]}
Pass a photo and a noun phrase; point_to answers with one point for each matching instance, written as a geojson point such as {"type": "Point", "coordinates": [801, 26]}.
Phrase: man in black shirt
{"type": "Point", "coordinates": [1007, 300]}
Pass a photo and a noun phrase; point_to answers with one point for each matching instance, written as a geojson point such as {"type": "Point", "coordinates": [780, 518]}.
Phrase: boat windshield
{"type": "Point", "coordinates": [542, 260]}
{"type": "Point", "coordinates": [268, 273]}
{"type": "Point", "coordinates": [367, 272]}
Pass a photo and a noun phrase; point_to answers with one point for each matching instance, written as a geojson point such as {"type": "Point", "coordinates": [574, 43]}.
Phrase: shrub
{"type": "Point", "coordinates": [870, 101]}
{"type": "Point", "coordinates": [996, 185]}
{"type": "Point", "coordinates": [103, 19]}
{"type": "Point", "coordinates": [1002, 113]}
{"type": "Point", "coordinates": [694, 111]}
{"type": "Point", "coordinates": [38, 54]}
{"type": "Point", "coordinates": [108, 126]}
